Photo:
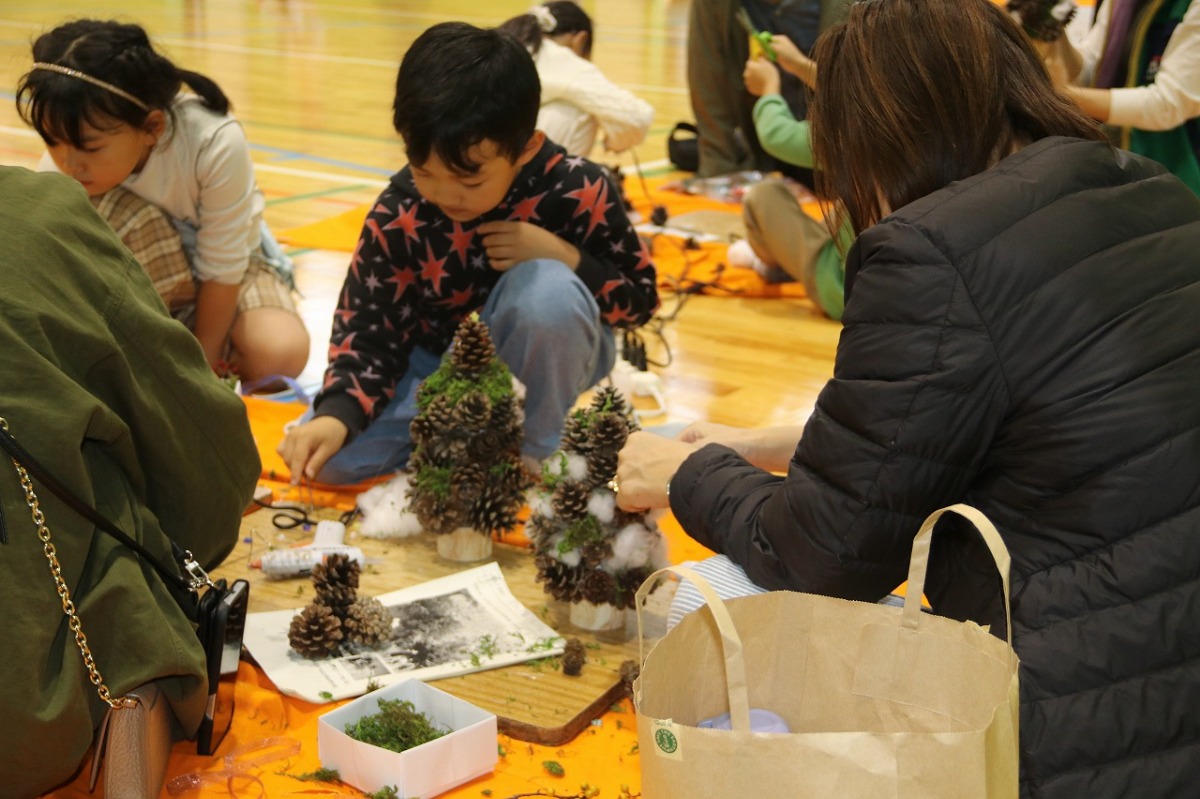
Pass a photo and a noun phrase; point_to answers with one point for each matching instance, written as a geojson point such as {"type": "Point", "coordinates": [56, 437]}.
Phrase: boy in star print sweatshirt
{"type": "Point", "coordinates": [490, 217]}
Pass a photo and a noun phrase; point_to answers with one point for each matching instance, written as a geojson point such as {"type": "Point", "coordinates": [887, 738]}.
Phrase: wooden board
{"type": "Point", "coordinates": [532, 701]}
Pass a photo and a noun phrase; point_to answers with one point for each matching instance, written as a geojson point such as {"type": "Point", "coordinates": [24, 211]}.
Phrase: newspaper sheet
{"type": "Point", "coordinates": [453, 625]}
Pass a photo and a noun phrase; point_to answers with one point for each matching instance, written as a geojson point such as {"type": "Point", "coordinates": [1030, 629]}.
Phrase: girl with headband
{"type": "Point", "coordinates": [171, 171]}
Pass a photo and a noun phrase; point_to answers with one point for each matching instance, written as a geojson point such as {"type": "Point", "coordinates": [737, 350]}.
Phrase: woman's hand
{"type": "Point", "coordinates": [510, 243]}
{"type": "Point", "coordinates": [761, 77]}
{"type": "Point", "coordinates": [645, 465]}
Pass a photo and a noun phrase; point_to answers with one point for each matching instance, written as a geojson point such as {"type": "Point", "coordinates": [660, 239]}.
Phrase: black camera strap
{"type": "Point", "coordinates": [196, 577]}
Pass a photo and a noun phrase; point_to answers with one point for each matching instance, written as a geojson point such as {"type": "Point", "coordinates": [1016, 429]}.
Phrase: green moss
{"type": "Point", "coordinates": [434, 479]}
{"type": "Point", "coordinates": [579, 532]}
{"type": "Point", "coordinates": [495, 381]}
{"type": "Point", "coordinates": [398, 726]}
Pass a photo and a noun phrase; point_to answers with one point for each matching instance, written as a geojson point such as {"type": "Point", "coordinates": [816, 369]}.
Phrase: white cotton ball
{"type": "Point", "coordinates": [541, 504]}
{"type": "Point", "coordinates": [602, 505]}
{"type": "Point", "coordinates": [385, 512]}
{"type": "Point", "coordinates": [631, 547]}
{"type": "Point", "coordinates": [571, 557]}
{"type": "Point", "coordinates": [577, 467]}
{"type": "Point", "coordinates": [518, 388]}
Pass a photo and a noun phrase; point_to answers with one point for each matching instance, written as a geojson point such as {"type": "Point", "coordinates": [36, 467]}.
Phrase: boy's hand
{"type": "Point", "coordinates": [761, 77]}
{"type": "Point", "coordinates": [306, 447]}
{"type": "Point", "coordinates": [510, 243]}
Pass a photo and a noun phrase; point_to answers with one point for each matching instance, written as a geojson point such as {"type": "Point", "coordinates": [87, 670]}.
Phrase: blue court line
{"type": "Point", "coordinates": [283, 154]}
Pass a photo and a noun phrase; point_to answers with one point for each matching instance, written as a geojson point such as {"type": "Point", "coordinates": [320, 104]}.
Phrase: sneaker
{"type": "Point", "coordinates": [741, 254]}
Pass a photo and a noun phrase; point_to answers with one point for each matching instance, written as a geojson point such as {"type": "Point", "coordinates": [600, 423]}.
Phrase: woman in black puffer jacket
{"type": "Point", "coordinates": [1020, 335]}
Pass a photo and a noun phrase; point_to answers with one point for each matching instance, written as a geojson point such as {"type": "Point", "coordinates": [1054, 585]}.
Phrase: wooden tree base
{"type": "Point", "coordinates": [464, 545]}
{"type": "Point", "coordinates": [589, 616]}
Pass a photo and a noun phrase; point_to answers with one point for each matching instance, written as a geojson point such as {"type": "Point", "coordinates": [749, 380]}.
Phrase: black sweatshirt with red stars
{"type": "Point", "coordinates": [416, 274]}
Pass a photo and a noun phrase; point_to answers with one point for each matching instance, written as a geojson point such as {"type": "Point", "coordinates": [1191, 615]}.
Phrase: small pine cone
{"type": "Point", "coordinates": [560, 580]}
{"type": "Point", "coordinates": [609, 432]}
{"type": "Point", "coordinates": [627, 584]}
{"type": "Point", "coordinates": [368, 622]}
{"type": "Point", "coordinates": [570, 500]}
{"type": "Point", "coordinates": [593, 553]}
{"type": "Point", "coordinates": [448, 446]}
{"type": "Point", "coordinates": [422, 432]}
{"type": "Point", "coordinates": [485, 446]}
{"type": "Point", "coordinates": [467, 481]}
{"type": "Point", "coordinates": [598, 587]}
{"type": "Point", "coordinates": [575, 437]}
{"type": "Point", "coordinates": [472, 349]}
{"type": "Point", "coordinates": [609, 399]}
{"type": "Point", "coordinates": [315, 632]}
{"type": "Point", "coordinates": [629, 672]}
{"type": "Point", "coordinates": [539, 530]}
{"type": "Point", "coordinates": [495, 510]}
{"type": "Point", "coordinates": [336, 570]}
{"type": "Point", "coordinates": [573, 657]}
{"type": "Point", "coordinates": [473, 411]}
{"type": "Point", "coordinates": [602, 467]}
{"type": "Point", "coordinates": [507, 413]}
{"type": "Point", "coordinates": [338, 599]}
{"type": "Point", "coordinates": [440, 415]}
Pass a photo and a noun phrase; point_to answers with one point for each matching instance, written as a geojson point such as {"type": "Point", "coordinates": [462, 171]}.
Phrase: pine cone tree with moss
{"type": "Point", "coordinates": [368, 622]}
{"type": "Point", "coordinates": [315, 632]}
{"type": "Point", "coordinates": [466, 469]}
{"type": "Point", "coordinates": [586, 549]}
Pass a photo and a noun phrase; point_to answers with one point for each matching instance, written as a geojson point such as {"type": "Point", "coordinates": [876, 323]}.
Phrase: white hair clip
{"type": "Point", "coordinates": [545, 18]}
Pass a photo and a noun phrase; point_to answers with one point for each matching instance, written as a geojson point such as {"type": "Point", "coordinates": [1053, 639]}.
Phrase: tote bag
{"type": "Point", "coordinates": [880, 701]}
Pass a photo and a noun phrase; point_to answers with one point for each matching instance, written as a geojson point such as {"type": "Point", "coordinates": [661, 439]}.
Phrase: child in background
{"type": "Point", "coordinates": [110, 110]}
{"type": "Point", "coordinates": [782, 242]}
{"type": "Point", "coordinates": [577, 100]}
{"type": "Point", "coordinates": [490, 217]}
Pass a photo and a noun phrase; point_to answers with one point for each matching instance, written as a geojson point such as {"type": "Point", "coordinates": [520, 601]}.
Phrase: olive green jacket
{"type": "Point", "coordinates": [115, 398]}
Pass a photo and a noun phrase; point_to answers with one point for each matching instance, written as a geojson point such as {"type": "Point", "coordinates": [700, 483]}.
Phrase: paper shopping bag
{"type": "Point", "coordinates": [880, 701]}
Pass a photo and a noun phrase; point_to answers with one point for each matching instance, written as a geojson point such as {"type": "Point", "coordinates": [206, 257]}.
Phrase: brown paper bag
{"type": "Point", "coordinates": [881, 701]}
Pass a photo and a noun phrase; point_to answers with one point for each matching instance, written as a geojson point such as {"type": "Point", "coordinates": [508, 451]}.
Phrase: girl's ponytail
{"type": "Point", "coordinates": [207, 89]}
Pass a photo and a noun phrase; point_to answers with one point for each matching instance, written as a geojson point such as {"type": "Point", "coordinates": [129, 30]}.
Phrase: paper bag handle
{"type": "Point", "coordinates": [919, 563]}
{"type": "Point", "coordinates": [731, 642]}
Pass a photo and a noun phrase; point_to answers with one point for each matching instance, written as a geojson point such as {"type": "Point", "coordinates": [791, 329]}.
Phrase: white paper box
{"type": "Point", "coordinates": [467, 752]}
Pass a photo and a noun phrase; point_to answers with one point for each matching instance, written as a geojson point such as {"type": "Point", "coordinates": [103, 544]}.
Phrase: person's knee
{"type": "Point", "coordinates": [270, 341]}
{"type": "Point", "coordinates": [544, 296]}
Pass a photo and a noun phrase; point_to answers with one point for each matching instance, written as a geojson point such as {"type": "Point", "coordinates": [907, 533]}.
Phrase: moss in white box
{"type": "Point", "coordinates": [465, 752]}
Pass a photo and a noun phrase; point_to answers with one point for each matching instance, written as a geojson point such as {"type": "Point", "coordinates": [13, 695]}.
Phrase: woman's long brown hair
{"type": "Point", "coordinates": [915, 94]}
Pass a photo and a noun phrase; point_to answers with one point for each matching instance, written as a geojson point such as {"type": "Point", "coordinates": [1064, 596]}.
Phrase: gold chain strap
{"type": "Point", "coordinates": [64, 594]}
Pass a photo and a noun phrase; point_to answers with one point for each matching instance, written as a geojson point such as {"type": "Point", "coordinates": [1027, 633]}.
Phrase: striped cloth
{"type": "Point", "coordinates": [729, 581]}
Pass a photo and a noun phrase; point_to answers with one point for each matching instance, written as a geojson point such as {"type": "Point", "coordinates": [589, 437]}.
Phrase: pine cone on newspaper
{"type": "Point", "coordinates": [368, 622]}
{"type": "Point", "coordinates": [573, 657]}
{"type": "Point", "coordinates": [472, 349]}
{"type": "Point", "coordinates": [336, 582]}
{"type": "Point", "coordinates": [315, 632]}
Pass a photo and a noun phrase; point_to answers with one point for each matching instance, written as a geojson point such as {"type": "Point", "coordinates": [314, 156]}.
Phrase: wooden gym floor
{"type": "Point", "coordinates": [312, 84]}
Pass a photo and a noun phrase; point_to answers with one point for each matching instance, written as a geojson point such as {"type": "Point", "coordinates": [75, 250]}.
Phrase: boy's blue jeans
{"type": "Point", "coordinates": [546, 326]}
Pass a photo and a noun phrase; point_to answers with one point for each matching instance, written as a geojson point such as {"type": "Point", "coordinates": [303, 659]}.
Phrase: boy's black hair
{"type": "Point", "coordinates": [57, 105]}
{"type": "Point", "coordinates": [458, 85]}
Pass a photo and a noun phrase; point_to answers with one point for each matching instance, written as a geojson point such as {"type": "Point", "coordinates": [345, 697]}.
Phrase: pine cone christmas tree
{"type": "Point", "coordinates": [466, 469]}
{"type": "Point", "coordinates": [368, 622]}
{"type": "Point", "coordinates": [315, 632]}
{"type": "Point", "coordinates": [587, 550]}
{"type": "Point", "coordinates": [336, 582]}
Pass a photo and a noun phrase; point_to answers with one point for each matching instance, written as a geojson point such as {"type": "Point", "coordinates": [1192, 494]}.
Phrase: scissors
{"type": "Point", "coordinates": [760, 41]}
